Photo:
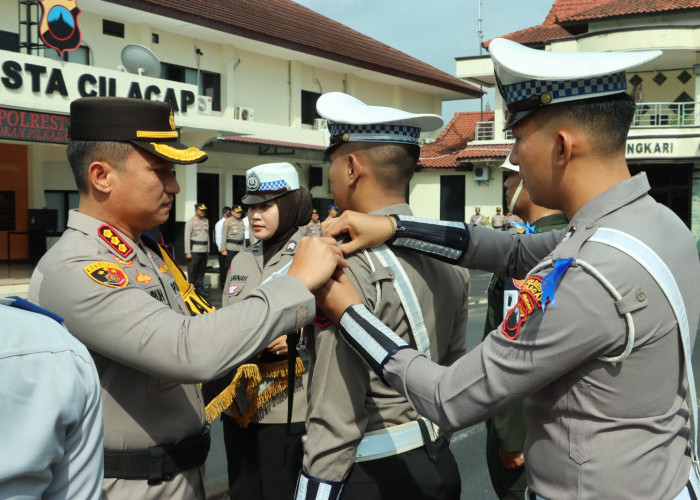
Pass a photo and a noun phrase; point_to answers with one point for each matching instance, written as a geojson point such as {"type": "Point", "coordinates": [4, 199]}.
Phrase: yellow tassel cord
{"type": "Point", "coordinates": [252, 376]}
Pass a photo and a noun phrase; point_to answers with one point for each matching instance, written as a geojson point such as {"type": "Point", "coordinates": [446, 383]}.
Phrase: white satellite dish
{"type": "Point", "coordinates": [141, 60]}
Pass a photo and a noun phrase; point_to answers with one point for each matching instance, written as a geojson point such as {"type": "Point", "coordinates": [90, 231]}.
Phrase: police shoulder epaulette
{"type": "Point", "coordinates": [110, 236]}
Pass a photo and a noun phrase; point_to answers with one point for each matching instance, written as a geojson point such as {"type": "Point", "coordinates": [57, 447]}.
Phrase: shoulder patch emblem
{"type": "Point", "coordinates": [291, 246]}
{"type": "Point", "coordinates": [143, 278]}
{"type": "Point", "coordinates": [233, 290]}
{"type": "Point", "coordinates": [106, 273]}
{"type": "Point", "coordinates": [163, 268]}
{"type": "Point", "coordinates": [127, 263]}
{"type": "Point", "coordinates": [115, 241]}
{"type": "Point", "coordinates": [529, 300]}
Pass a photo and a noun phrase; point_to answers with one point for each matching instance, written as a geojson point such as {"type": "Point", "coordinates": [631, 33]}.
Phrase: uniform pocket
{"type": "Point", "coordinates": [579, 400]}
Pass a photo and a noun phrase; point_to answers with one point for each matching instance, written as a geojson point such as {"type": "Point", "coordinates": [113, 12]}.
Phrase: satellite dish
{"type": "Point", "coordinates": [141, 60]}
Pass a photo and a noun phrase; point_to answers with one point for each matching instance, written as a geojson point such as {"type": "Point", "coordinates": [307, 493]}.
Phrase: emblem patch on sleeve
{"type": "Point", "coordinates": [233, 290]}
{"type": "Point", "coordinates": [108, 274]}
{"type": "Point", "coordinates": [529, 300]}
{"type": "Point", "coordinates": [115, 241]}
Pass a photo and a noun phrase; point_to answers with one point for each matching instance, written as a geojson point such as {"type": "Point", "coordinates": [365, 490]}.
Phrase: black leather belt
{"type": "Point", "coordinates": [234, 241]}
{"type": "Point", "coordinates": [158, 463]}
{"type": "Point", "coordinates": [198, 242]}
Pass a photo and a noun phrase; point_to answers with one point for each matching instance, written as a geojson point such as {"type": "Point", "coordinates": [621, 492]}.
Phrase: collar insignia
{"type": "Point", "coordinates": [163, 268]}
{"type": "Point", "coordinates": [127, 263]}
{"type": "Point", "coordinates": [291, 246]}
{"type": "Point", "coordinates": [143, 278]}
{"type": "Point", "coordinates": [114, 241]}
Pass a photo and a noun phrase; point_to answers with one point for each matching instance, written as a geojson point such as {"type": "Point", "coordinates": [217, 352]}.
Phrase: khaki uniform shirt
{"type": "Point", "coordinates": [233, 235]}
{"type": "Point", "coordinates": [312, 229]}
{"type": "Point", "coordinates": [594, 429]}
{"type": "Point", "coordinates": [197, 235]}
{"type": "Point", "coordinates": [120, 300]}
{"type": "Point", "coordinates": [497, 221]}
{"type": "Point", "coordinates": [346, 398]}
{"type": "Point", "coordinates": [247, 273]}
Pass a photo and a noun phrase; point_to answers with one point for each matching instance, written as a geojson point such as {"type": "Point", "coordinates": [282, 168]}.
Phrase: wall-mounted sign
{"type": "Point", "coordinates": [59, 24]}
{"type": "Point", "coordinates": [681, 146]}
{"type": "Point", "coordinates": [21, 125]}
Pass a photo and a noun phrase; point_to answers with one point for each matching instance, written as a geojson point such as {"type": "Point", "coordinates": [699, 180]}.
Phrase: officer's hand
{"type": "Point", "coordinates": [511, 459]}
{"type": "Point", "coordinates": [188, 255]}
{"type": "Point", "coordinates": [278, 346]}
{"type": "Point", "coordinates": [224, 252]}
{"type": "Point", "coordinates": [336, 295]}
{"type": "Point", "coordinates": [365, 231]}
{"type": "Point", "coordinates": [315, 260]}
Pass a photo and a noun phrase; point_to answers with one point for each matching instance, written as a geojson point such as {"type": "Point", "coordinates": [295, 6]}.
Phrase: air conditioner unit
{"type": "Point", "coordinates": [243, 113]}
{"type": "Point", "coordinates": [481, 173]}
{"type": "Point", "coordinates": [320, 124]}
{"type": "Point", "coordinates": [204, 104]}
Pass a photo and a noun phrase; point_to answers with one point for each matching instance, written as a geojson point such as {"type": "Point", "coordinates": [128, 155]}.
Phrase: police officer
{"type": "Point", "coordinates": [477, 218]}
{"type": "Point", "coordinates": [234, 236]}
{"type": "Point", "coordinates": [332, 212]}
{"type": "Point", "coordinates": [505, 432]}
{"type": "Point", "coordinates": [255, 427]}
{"type": "Point", "coordinates": [119, 298]}
{"type": "Point", "coordinates": [313, 228]}
{"type": "Point", "coordinates": [599, 341]}
{"type": "Point", "coordinates": [197, 246]}
{"type": "Point", "coordinates": [354, 421]}
{"type": "Point", "coordinates": [498, 220]}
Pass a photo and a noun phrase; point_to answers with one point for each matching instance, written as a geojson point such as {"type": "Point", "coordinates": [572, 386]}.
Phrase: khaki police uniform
{"type": "Point", "coordinates": [120, 300]}
{"type": "Point", "coordinates": [197, 244]}
{"type": "Point", "coordinates": [234, 239]}
{"type": "Point", "coordinates": [347, 400]}
{"type": "Point", "coordinates": [497, 222]}
{"type": "Point", "coordinates": [259, 449]}
{"type": "Point", "coordinates": [312, 229]}
{"type": "Point", "coordinates": [595, 429]}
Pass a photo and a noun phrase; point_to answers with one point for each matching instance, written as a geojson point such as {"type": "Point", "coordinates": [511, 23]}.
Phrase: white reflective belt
{"type": "Point", "coordinates": [393, 440]}
{"type": "Point", "coordinates": [409, 301]}
{"type": "Point", "coordinates": [661, 273]}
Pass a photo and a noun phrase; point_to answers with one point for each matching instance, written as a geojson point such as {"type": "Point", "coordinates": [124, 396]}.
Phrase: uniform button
{"type": "Point", "coordinates": [641, 296]}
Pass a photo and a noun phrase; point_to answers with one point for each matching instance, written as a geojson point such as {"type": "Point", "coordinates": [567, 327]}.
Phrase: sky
{"type": "Point", "coordinates": [435, 31]}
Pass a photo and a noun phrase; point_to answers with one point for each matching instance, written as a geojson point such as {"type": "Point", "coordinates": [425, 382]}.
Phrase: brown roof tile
{"type": "Point", "coordinates": [285, 23]}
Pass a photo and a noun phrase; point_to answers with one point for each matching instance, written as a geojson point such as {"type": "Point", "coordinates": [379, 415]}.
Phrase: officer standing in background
{"type": "Point", "coordinates": [498, 220]}
{"type": "Point", "coordinates": [355, 423]}
{"type": "Point", "coordinates": [599, 343]}
{"type": "Point", "coordinates": [119, 298]}
{"type": "Point", "coordinates": [332, 212]}
{"type": "Point", "coordinates": [477, 218]}
{"type": "Point", "coordinates": [218, 235]}
{"type": "Point", "coordinates": [313, 228]}
{"type": "Point", "coordinates": [197, 246]}
{"type": "Point", "coordinates": [505, 432]}
{"type": "Point", "coordinates": [234, 237]}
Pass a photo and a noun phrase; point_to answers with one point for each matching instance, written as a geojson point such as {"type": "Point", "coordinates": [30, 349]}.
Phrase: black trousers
{"type": "Point", "coordinates": [196, 268]}
{"type": "Point", "coordinates": [222, 269]}
{"type": "Point", "coordinates": [408, 475]}
{"type": "Point", "coordinates": [260, 467]}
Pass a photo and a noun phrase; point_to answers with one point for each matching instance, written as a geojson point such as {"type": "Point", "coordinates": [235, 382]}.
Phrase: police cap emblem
{"type": "Point", "coordinates": [252, 182]}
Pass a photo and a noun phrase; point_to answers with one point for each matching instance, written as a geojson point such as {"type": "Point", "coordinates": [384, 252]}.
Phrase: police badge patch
{"type": "Point", "coordinates": [253, 182]}
{"type": "Point", "coordinates": [106, 273]}
{"type": "Point", "coordinates": [529, 300]}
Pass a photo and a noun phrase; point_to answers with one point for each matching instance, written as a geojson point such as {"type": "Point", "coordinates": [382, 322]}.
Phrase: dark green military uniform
{"type": "Point", "coordinates": [507, 430]}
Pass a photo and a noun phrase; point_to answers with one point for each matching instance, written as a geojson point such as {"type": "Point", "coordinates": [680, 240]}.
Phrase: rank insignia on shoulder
{"type": "Point", "coordinates": [127, 263]}
{"type": "Point", "coordinates": [163, 268]}
{"type": "Point", "coordinates": [113, 239]}
{"type": "Point", "coordinates": [322, 321]}
{"type": "Point", "coordinates": [529, 300]}
{"type": "Point", "coordinates": [106, 273]}
{"type": "Point", "coordinates": [291, 246]}
{"type": "Point", "coordinates": [143, 278]}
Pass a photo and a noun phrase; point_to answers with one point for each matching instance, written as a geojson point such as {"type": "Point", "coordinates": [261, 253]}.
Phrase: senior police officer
{"type": "Point", "coordinates": [498, 220]}
{"type": "Point", "coordinates": [599, 341]}
{"type": "Point", "coordinates": [197, 246]}
{"type": "Point", "coordinates": [363, 437]}
{"type": "Point", "coordinates": [313, 228]}
{"type": "Point", "coordinates": [119, 298]}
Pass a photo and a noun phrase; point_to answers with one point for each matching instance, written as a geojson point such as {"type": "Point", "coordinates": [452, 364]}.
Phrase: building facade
{"type": "Point", "coordinates": [242, 76]}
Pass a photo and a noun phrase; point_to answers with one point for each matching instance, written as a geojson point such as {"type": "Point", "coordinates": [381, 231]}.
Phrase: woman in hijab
{"type": "Point", "coordinates": [264, 401]}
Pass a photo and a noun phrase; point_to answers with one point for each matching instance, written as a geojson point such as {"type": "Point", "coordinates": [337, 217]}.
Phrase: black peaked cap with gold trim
{"type": "Point", "coordinates": [149, 125]}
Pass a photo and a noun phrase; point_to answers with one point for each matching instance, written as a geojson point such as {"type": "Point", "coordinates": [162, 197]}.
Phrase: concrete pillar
{"type": "Point", "coordinates": [294, 94]}
{"type": "Point", "coordinates": [228, 83]}
{"type": "Point", "coordinates": [187, 197]}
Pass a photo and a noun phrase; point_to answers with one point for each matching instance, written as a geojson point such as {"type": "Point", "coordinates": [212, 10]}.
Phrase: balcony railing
{"type": "Point", "coordinates": [667, 114]}
{"type": "Point", "coordinates": [484, 131]}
